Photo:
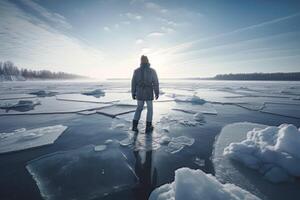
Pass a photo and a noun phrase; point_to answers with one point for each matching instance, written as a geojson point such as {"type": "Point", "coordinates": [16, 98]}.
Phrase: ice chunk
{"type": "Point", "coordinates": [200, 162]}
{"type": "Point", "coordinates": [165, 140]}
{"type": "Point", "coordinates": [99, 148]}
{"type": "Point", "coordinates": [174, 147]}
{"type": "Point", "coordinates": [21, 105]}
{"type": "Point", "coordinates": [96, 93]}
{"type": "Point", "coordinates": [43, 93]}
{"type": "Point", "coordinates": [178, 143]}
{"type": "Point", "coordinates": [199, 117]}
{"type": "Point", "coordinates": [273, 148]}
{"type": "Point", "coordinates": [195, 184]}
{"type": "Point", "coordinates": [191, 99]}
{"type": "Point", "coordinates": [82, 173]}
{"type": "Point", "coordinates": [22, 139]}
{"type": "Point", "coordinates": [206, 108]}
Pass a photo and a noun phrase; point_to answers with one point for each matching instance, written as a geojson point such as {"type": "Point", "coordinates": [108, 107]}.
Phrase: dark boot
{"type": "Point", "coordinates": [149, 127]}
{"type": "Point", "coordinates": [135, 125]}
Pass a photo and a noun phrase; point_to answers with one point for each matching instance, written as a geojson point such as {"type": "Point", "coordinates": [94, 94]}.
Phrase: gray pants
{"type": "Point", "coordinates": [139, 109]}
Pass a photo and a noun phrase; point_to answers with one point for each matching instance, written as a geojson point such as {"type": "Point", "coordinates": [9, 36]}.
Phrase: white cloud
{"type": "Point", "coordinates": [133, 16]}
{"type": "Point", "coordinates": [167, 29]}
{"type": "Point", "coordinates": [155, 7]}
{"type": "Point", "coordinates": [139, 41]}
{"type": "Point", "coordinates": [156, 34]}
{"type": "Point", "coordinates": [30, 42]}
{"type": "Point", "coordinates": [54, 18]}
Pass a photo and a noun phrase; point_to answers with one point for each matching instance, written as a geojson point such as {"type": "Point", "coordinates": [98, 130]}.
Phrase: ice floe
{"type": "Point", "coordinates": [190, 99]}
{"type": "Point", "coordinates": [21, 139]}
{"type": "Point", "coordinates": [195, 184]}
{"type": "Point", "coordinates": [82, 173]}
{"type": "Point", "coordinates": [43, 93]}
{"type": "Point", "coordinates": [176, 144]}
{"type": "Point", "coordinates": [21, 105]}
{"type": "Point", "coordinates": [96, 93]}
{"type": "Point", "coordinates": [273, 151]}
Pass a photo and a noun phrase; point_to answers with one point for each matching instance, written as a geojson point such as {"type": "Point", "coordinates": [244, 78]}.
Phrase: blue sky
{"type": "Point", "coordinates": [191, 38]}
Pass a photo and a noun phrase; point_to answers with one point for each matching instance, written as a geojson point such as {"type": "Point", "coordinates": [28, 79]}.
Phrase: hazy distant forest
{"type": "Point", "coordinates": [8, 68]}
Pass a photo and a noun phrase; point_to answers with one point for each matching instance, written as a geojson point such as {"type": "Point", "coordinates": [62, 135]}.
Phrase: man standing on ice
{"type": "Point", "coordinates": [144, 82]}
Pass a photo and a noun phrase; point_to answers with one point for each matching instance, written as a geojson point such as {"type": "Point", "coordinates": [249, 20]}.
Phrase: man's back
{"type": "Point", "coordinates": [144, 83]}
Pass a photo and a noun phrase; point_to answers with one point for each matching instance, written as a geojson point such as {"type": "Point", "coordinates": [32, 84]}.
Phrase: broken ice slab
{"type": "Point", "coordinates": [43, 93]}
{"type": "Point", "coordinates": [16, 96]}
{"type": "Point", "coordinates": [99, 147]}
{"type": "Point", "coordinates": [50, 105]}
{"type": "Point", "coordinates": [87, 112]}
{"type": "Point", "coordinates": [288, 110]}
{"type": "Point", "coordinates": [96, 93]}
{"type": "Point", "coordinates": [107, 98]}
{"type": "Point", "coordinates": [20, 105]}
{"type": "Point", "coordinates": [178, 143]}
{"type": "Point", "coordinates": [21, 139]}
{"type": "Point", "coordinates": [206, 108]}
{"type": "Point", "coordinates": [195, 100]}
{"type": "Point", "coordinates": [115, 110]}
{"type": "Point", "coordinates": [82, 173]}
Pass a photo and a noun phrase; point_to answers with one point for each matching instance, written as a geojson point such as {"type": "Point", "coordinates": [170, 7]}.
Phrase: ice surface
{"type": "Point", "coordinates": [195, 184]}
{"type": "Point", "coordinates": [200, 162]}
{"type": "Point", "coordinates": [82, 173]}
{"type": "Point", "coordinates": [206, 108]}
{"type": "Point", "coordinates": [21, 139]}
{"type": "Point", "coordinates": [96, 93]}
{"type": "Point", "coordinates": [289, 110]}
{"type": "Point", "coordinates": [107, 98]}
{"type": "Point", "coordinates": [21, 105]}
{"type": "Point", "coordinates": [274, 151]}
{"type": "Point", "coordinates": [116, 110]}
{"type": "Point", "coordinates": [51, 105]}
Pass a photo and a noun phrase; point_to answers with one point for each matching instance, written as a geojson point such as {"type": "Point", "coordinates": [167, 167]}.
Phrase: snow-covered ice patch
{"type": "Point", "coordinates": [273, 151]}
{"type": "Point", "coordinates": [195, 184]}
{"type": "Point", "coordinates": [21, 139]}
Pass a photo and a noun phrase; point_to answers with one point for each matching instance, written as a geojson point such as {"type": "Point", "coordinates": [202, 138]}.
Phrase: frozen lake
{"type": "Point", "coordinates": [72, 140]}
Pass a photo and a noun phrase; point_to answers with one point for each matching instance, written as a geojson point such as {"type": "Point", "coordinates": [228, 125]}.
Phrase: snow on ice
{"type": "Point", "coordinates": [273, 151]}
{"type": "Point", "coordinates": [195, 184]}
{"type": "Point", "coordinates": [21, 139]}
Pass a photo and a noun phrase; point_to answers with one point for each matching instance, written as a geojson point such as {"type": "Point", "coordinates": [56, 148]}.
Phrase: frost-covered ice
{"type": "Point", "coordinates": [273, 151]}
{"type": "Point", "coordinates": [195, 184]}
{"type": "Point", "coordinates": [206, 108]}
{"type": "Point", "coordinates": [21, 139]}
{"type": "Point", "coordinates": [82, 173]}
{"type": "Point", "coordinates": [96, 93]}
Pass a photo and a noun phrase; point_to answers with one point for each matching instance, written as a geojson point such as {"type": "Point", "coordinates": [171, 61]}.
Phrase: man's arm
{"type": "Point", "coordinates": [155, 84]}
{"type": "Point", "coordinates": [133, 85]}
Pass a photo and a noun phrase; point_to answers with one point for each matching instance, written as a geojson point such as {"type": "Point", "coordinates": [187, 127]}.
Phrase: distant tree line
{"type": "Point", "coordinates": [8, 68]}
{"type": "Point", "coordinates": [291, 76]}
